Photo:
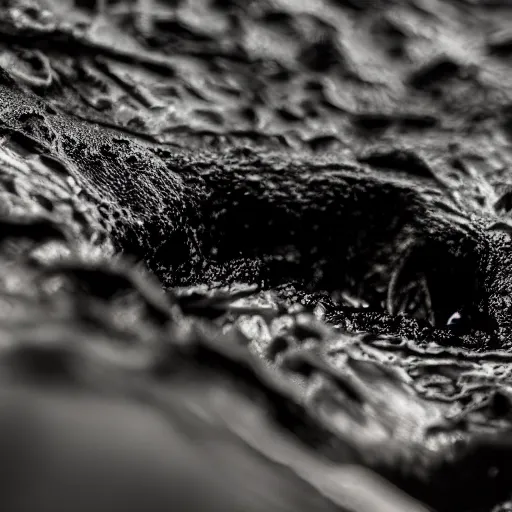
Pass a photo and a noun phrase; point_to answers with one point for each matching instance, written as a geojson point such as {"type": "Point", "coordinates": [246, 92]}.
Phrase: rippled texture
{"type": "Point", "coordinates": [255, 255]}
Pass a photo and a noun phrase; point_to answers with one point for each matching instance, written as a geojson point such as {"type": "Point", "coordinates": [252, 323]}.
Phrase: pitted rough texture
{"type": "Point", "coordinates": [255, 255]}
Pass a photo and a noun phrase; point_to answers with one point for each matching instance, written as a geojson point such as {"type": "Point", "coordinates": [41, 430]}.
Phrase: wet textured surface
{"type": "Point", "coordinates": [256, 255]}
